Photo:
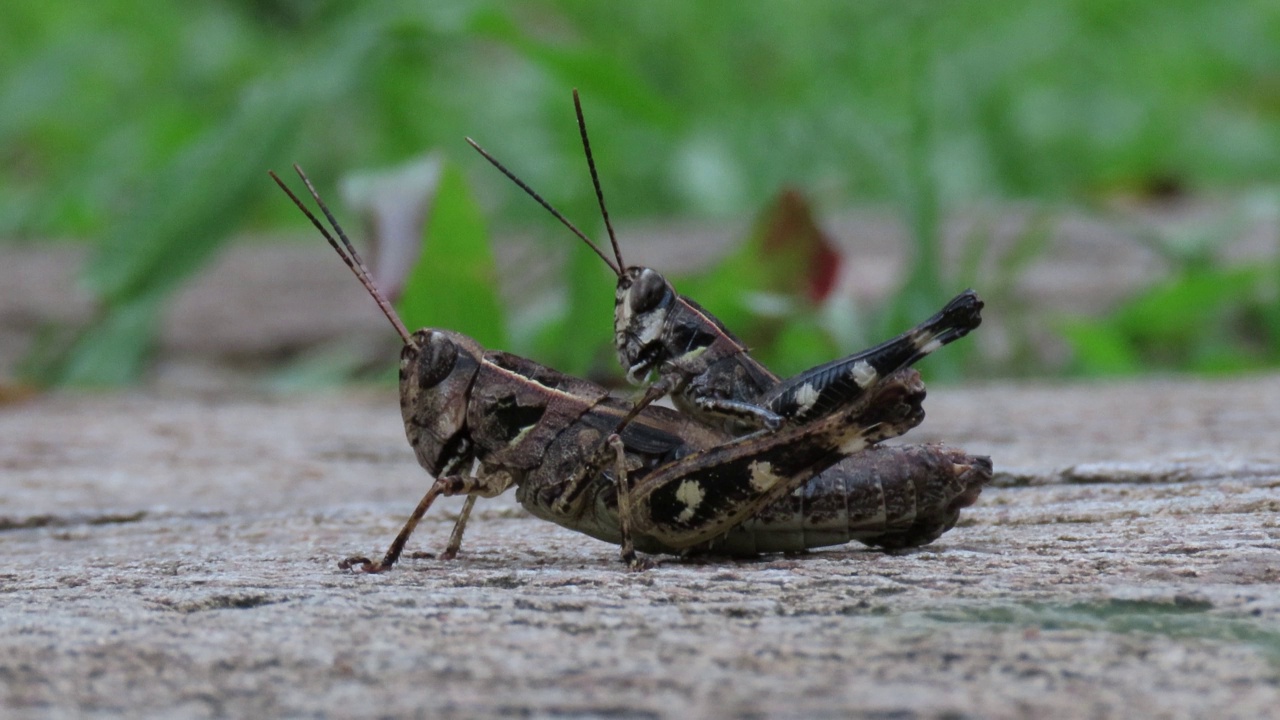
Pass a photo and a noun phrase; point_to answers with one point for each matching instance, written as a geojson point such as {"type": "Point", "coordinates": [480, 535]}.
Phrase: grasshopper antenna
{"type": "Point", "coordinates": [533, 194]}
{"type": "Point", "coordinates": [595, 179]}
{"type": "Point", "coordinates": [346, 250]}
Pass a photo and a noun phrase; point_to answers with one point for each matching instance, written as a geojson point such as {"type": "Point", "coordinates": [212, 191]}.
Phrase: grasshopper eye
{"type": "Point", "coordinates": [648, 290]}
{"type": "Point", "coordinates": [430, 361]}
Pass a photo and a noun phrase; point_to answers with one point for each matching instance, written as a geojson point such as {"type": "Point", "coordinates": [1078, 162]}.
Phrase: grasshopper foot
{"type": "Point", "coordinates": [639, 564]}
{"type": "Point", "coordinates": [363, 564]}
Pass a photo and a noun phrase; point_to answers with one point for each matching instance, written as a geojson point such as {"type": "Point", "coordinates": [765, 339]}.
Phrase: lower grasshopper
{"type": "Point", "coordinates": [484, 421]}
{"type": "Point", "coordinates": [707, 370]}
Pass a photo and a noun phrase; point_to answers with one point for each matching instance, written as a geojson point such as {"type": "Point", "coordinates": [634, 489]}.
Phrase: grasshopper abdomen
{"type": "Point", "coordinates": [889, 497]}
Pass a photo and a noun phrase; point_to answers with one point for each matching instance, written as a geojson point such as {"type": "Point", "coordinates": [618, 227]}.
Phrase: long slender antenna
{"type": "Point", "coordinates": [595, 179]}
{"type": "Point", "coordinates": [533, 194]}
{"type": "Point", "coordinates": [349, 254]}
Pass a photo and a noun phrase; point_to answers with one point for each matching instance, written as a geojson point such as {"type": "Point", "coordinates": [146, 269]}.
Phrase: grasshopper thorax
{"type": "Point", "coordinates": [437, 369]}
{"type": "Point", "coordinates": [641, 303]}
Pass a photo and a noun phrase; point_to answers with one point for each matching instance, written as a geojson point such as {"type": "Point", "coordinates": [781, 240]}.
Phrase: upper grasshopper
{"type": "Point", "coordinates": [483, 421]}
{"type": "Point", "coordinates": [709, 372]}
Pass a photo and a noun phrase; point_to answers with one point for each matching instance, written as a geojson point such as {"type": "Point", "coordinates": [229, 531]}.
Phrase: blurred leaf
{"type": "Point", "coordinates": [583, 336]}
{"type": "Point", "coordinates": [1201, 320]}
{"type": "Point", "coordinates": [454, 283]}
{"type": "Point", "coordinates": [185, 213]}
{"type": "Point", "coordinates": [166, 239]}
{"type": "Point", "coordinates": [1182, 308]}
{"type": "Point", "coordinates": [770, 288]}
{"type": "Point", "coordinates": [189, 208]}
{"type": "Point", "coordinates": [114, 349]}
{"type": "Point", "coordinates": [919, 199]}
{"type": "Point", "coordinates": [799, 345]}
{"type": "Point", "coordinates": [1099, 348]}
{"type": "Point", "coordinates": [596, 72]}
{"type": "Point", "coordinates": [323, 368]}
{"type": "Point", "coordinates": [1029, 245]}
{"type": "Point", "coordinates": [999, 288]}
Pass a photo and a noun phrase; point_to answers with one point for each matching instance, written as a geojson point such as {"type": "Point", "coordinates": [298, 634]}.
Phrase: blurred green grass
{"type": "Point", "coordinates": [147, 129]}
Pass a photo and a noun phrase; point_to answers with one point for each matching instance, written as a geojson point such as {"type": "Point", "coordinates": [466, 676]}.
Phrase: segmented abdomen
{"type": "Point", "coordinates": [888, 496]}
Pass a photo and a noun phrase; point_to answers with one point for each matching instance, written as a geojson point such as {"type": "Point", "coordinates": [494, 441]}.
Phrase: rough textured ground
{"type": "Point", "coordinates": [176, 554]}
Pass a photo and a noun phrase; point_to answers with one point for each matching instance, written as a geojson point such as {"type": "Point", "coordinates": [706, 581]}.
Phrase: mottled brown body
{"type": "Point", "coordinates": [746, 488]}
{"type": "Point", "coordinates": [704, 490]}
{"type": "Point", "coordinates": [891, 497]}
{"type": "Point", "coordinates": [484, 421]}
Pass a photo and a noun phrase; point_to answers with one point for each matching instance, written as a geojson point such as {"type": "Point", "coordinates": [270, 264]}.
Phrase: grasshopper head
{"type": "Point", "coordinates": [437, 368]}
{"type": "Point", "coordinates": [640, 306]}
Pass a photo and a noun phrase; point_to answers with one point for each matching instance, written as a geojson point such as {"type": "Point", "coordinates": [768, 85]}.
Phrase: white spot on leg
{"type": "Point", "coordinates": [690, 493]}
{"type": "Point", "coordinates": [930, 346]}
{"type": "Point", "coordinates": [806, 396]}
{"type": "Point", "coordinates": [863, 373]}
{"type": "Point", "coordinates": [854, 444]}
{"type": "Point", "coordinates": [763, 476]}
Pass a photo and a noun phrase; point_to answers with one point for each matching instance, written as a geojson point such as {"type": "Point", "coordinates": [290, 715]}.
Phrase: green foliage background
{"type": "Point", "coordinates": [146, 129]}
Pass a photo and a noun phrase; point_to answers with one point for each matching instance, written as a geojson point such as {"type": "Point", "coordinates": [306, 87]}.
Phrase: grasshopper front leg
{"type": "Point", "coordinates": [483, 483]}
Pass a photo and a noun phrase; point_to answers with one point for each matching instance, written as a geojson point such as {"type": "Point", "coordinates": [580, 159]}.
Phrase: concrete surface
{"type": "Point", "coordinates": [175, 554]}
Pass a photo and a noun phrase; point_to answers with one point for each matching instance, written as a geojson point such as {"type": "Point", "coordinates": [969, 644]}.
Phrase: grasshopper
{"type": "Point", "coordinates": [709, 372]}
{"type": "Point", "coordinates": [483, 421]}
